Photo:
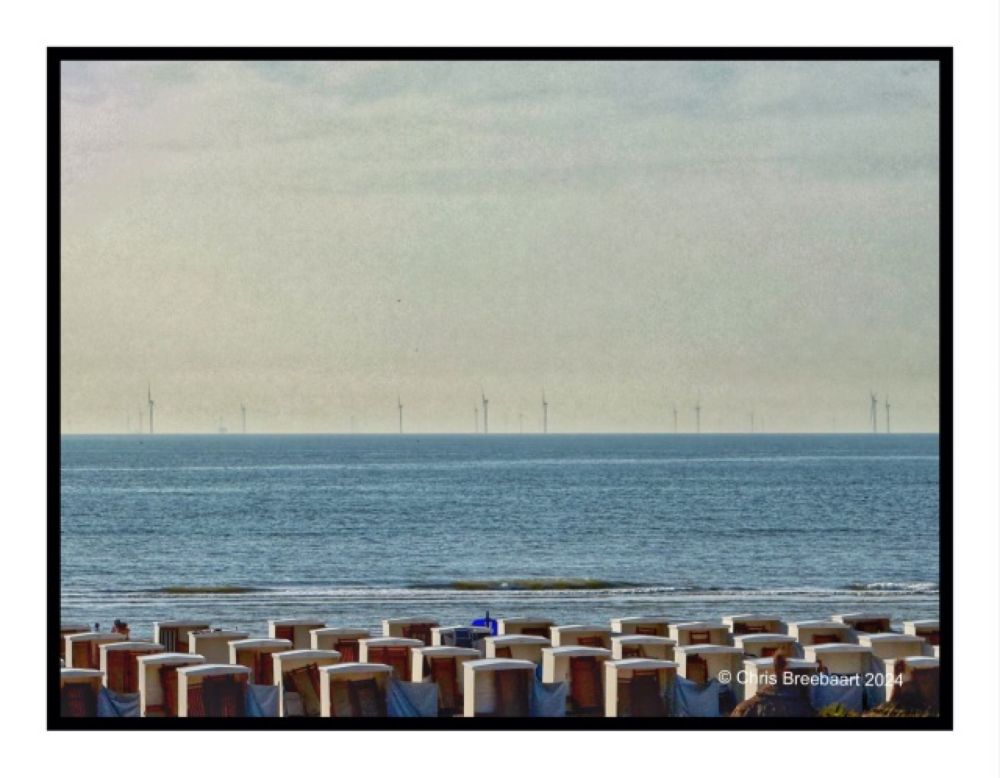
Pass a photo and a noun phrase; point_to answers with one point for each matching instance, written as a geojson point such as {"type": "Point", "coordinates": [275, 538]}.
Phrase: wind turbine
{"type": "Point", "coordinates": [475, 411]}
{"type": "Point", "coordinates": [887, 420]}
{"type": "Point", "coordinates": [697, 415]}
{"type": "Point", "coordinates": [486, 413]}
{"type": "Point", "coordinates": [149, 399]}
{"type": "Point", "coordinates": [243, 416]}
{"type": "Point", "coordinates": [675, 418]}
{"type": "Point", "coordinates": [874, 412]}
{"type": "Point", "coordinates": [545, 413]}
{"type": "Point", "coordinates": [399, 403]}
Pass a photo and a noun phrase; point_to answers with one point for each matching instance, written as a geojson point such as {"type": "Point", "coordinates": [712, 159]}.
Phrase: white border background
{"type": "Point", "coordinates": [970, 26]}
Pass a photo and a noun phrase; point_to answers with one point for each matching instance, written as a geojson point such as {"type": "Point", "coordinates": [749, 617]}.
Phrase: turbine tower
{"type": "Point", "coordinates": [874, 412]}
{"type": "Point", "coordinates": [140, 420]}
{"type": "Point", "coordinates": [486, 413]}
{"type": "Point", "coordinates": [545, 413]}
{"type": "Point", "coordinates": [243, 416]}
{"type": "Point", "coordinates": [887, 421]}
{"type": "Point", "coordinates": [399, 403]}
{"type": "Point", "coordinates": [675, 418]}
{"type": "Point", "coordinates": [149, 400]}
{"type": "Point", "coordinates": [697, 415]}
{"type": "Point", "coordinates": [475, 411]}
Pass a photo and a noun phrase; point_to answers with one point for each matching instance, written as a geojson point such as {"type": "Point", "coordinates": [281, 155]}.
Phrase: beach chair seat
{"type": "Point", "coordinates": [349, 650]}
{"type": "Point", "coordinates": [78, 701]}
{"type": "Point", "coordinates": [218, 697]}
{"type": "Point", "coordinates": [585, 684]}
{"type": "Point", "coordinates": [421, 632]}
{"type": "Point", "coordinates": [697, 669]}
{"type": "Point", "coordinates": [397, 657]}
{"type": "Point", "coordinates": [304, 681]}
{"type": "Point", "coordinates": [512, 694]}
{"type": "Point", "coordinates": [822, 638]}
{"type": "Point", "coordinates": [542, 632]}
{"type": "Point", "coordinates": [642, 694]}
{"type": "Point", "coordinates": [444, 672]}
{"type": "Point", "coordinates": [364, 699]}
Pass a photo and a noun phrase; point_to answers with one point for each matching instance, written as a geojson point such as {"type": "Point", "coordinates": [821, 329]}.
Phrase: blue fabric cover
{"type": "Point", "coordinates": [412, 700]}
{"type": "Point", "coordinates": [694, 699]}
{"type": "Point", "coordinates": [114, 705]}
{"type": "Point", "coordinates": [548, 699]}
{"type": "Point", "coordinates": [262, 701]}
{"type": "Point", "coordinates": [851, 697]}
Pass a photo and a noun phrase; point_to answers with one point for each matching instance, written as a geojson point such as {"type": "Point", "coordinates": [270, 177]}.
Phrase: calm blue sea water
{"type": "Point", "coordinates": [351, 529]}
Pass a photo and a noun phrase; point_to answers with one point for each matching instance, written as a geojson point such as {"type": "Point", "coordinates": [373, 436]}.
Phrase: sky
{"type": "Point", "coordinates": [317, 239]}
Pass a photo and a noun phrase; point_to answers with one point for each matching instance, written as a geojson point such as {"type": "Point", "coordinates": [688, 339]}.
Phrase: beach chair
{"type": "Point", "coordinates": [922, 672]}
{"type": "Point", "coordinates": [173, 635]}
{"type": "Point", "coordinates": [158, 682]}
{"type": "Point", "coordinates": [83, 649]}
{"type": "Point", "coordinates": [120, 666]}
{"type": "Point", "coordinates": [69, 629]}
{"type": "Point", "coordinates": [700, 633]}
{"type": "Point", "coordinates": [213, 644]}
{"type": "Point", "coordinates": [640, 646]}
{"type": "Point", "coordinates": [637, 688]}
{"type": "Point", "coordinates": [928, 629]}
{"type": "Point", "coordinates": [257, 655]}
{"type": "Point", "coordinates": [411, 628]}
{"type": "Point", "coordinates": [705, 662]}
{"type": "Point", "coordinates": [78, 690]}
{"type": "Point", "coordinates": [762, 644]}
{"type": "Point", "coordinates": [296, 673]}
{"type": "Point", "coordinates": [298, 631]}
{"type": "Point", "coordinates": [755, 624]}
{"type": "Point", "coordinates": [892, 645]}
{"type": "Point", "coordinates": [592, 636]}
{"type": "Point", "coordinates": [758, 672]}
{"type": "Point", "coordinates": [657, 626]}
{"type": "Point", "coordinates": [460, 636]}
{"type": "Point", "coordinates": [525, 625]}
{"type": "Point", "coordinates": [840, 658]}
{"type": "Point", "coordinates": [443, 666]}
{"type": "Point", "coordinates": [815, 633]}
{"type": "Point", "coordinates": [394, 652]}
{"type": "Point", "coordinates": [341, 639]}
{"type": "Point", "coordinates": [865, 622]}
{"type": "Point", "coordinates": [212, 691]}
{"type": "Point", "coordinates": [580, 667]}
{"type": "Point", "coordinates": [498, 688]}
{"type": "Point", "coordinates": [354, 690]}
{"type": "Point", "coordinates": [516, 646]}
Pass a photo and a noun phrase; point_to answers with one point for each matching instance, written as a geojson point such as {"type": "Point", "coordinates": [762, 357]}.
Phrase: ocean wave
{"type": "Point", "coordinates": [893, 586]}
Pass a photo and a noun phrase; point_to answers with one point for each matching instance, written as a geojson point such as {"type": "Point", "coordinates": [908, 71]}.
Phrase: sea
{"type": "Point", "coordinates": [350, 529]}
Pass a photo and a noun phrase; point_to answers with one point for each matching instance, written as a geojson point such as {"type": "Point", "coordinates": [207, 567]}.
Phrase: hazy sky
{"type": "Point", "coordinates": [312, 238]}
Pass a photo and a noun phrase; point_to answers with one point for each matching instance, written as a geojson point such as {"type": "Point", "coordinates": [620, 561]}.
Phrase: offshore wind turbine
{"type": "Point", "coordinates": [887, 420]}
{"type": "Point", "coordinates": [399, 403]}
{"type": "Point", "coordinates": [545, 413]}
{"type": "Point", "coordinates": [675, 418]}
{"type": "Point", "coordinates": [874, 412]}
{"type": "Point", "coordinates": [486, 413]}
{"type": "Point", "coordinates": [243, 417]}
{"type": "Point", "coordinates": [475, 412]}
{"type": "Point", "coordinates": [697, 415]}
{"type": "Point", "coordinates": [149, 399]}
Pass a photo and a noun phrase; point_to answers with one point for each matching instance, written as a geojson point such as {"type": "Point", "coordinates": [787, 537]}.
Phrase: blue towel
{"type": "Point", "coordinates": [114, 705]}
{"type": "Point", "coordinates": [548, 699]}
{"type": "Point", "coordinates": [412, 700]}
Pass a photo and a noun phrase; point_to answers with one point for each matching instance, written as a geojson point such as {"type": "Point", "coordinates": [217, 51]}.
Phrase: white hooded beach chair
{"type": "Point", "coordinates": [525, 647]}
{"type": "Point", "coordinates": [212, 691]}
{"type": "Point", "coordinates": [213, 644]}
{"type": "Point", "coordinates": [525, 625]}
{"type": "Point", "coordinates": [498, 688]}
{"type": "Point", "coordinates": [638, 646]}
{"type": "Point", "coordinates": [83, 649]}
{"type": "Point", "coordinates": [582, 669]}
{"type": "Point", "coordinates": [892, 645]}
{"type": "Point", "coordinates": [341, 639]}
{"type": "Point", "coordinates": [755, 623]}
{"type": "Point", "coordinates": [762, 644]}
{"type": "Point", "coordinates": [443, 666]}
{"type": "Point", "coordinates": [412, 627]}
{"type": "Point", "coordinates": [296, 630]}
{"type": "Point", "coordinates": [69, 629]}
{"type": "Point", "coordinates": [297, 675]}
{"type": "Point", "coordinates": [928, 629]}
{"type": "Point", "coordinates": [704, 662]}
{"type": "Point", "coordinates": [689, 633]}
{"type": "Point", "coordinates": [158, 682]}
{"type": "Point", "coordinates": [638, 688]}
{"type": "Point", "coordinates": [591, 635]}
{"type": "Point", "coordinates": [354, 690]}
{"type": "Point", "coordinates": [906, 669]}
{"type": "Point", "coordinates": [257, 654]}
{"type": "Point", "coordinates": [119, 663]}
{"type": "Point", "coordinates": [78, 692]}
{"type": "Point", "coordinates": [814, 633]}
{"type": "Point", "coordinates": [657, 626]}
{"type": "Point", "coordinates": [865, 622]}
{"type": "Point", "coordinates": [395, 652]}
{"type": "Point", "coordinates": [173, 635]}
